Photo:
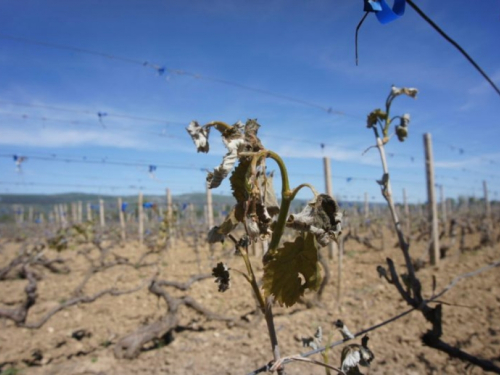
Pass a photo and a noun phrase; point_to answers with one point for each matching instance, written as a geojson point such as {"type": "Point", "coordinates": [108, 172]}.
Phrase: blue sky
{"type": "Point", "coordinates": [303, 50]}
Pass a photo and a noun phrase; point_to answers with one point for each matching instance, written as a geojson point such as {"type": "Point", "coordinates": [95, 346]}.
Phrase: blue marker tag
{"type": "Point", "coordinates": [147, 205]}
{"type": "Point", "coordinates": [124, 206]}
{"type": "Point", "coordinates": [372, 6]}
{"type": "Point", "coordinates": [387, 14]}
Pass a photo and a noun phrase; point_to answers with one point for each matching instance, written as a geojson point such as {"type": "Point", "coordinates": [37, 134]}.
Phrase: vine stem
{"type": "Point", "coordinates": [403, 244]}
{"type": "Point", "coordinates": [265, 305]}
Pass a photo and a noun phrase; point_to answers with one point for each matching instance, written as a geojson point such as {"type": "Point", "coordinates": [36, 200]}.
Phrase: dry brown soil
{"type": "Point", "coordinates": [471, 316]}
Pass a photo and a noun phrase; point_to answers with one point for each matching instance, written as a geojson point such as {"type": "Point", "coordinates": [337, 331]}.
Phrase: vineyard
{"type": "Point", "coordinates": [137, 295]}
{"type": "Point", "coordinates": [81, 300]}
{"type": "Point", "coordinates": [222, 187]}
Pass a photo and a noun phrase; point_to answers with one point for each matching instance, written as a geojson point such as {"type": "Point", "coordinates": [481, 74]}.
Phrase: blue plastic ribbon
{"type": "Point", "coordinates": [388, 14]}
{"type": "Point", "coordinates": [152, 168]}
{"type": "Point", "coordinates": [372, 6]}
{"type": "Point", "coordinates": [147, 205]}
{"type": "Point", "coordinates": [124, 206]}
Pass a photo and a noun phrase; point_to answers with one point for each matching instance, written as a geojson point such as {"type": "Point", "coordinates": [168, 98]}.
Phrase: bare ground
{"type": "Point", "coordinates": [200, 346]}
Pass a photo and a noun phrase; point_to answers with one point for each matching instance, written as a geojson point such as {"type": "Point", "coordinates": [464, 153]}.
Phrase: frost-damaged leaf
{"type": "Point", "coordinates": [291, 270]}
{"type": "Point", "coordinates": [238, 179]}
{"type": "Point", "coordinates": [269, 196]}
{"type": "Point", "coordinates": [410, 91]}
{"type": "Point", "coordinates": [199, 135]}
{"type": "Point", "coordinates": [313, 342]}
{"type": "Point", "coordinates": [320, 217]}
{"type": "Point", "coordinates": [355, 355]}
{"type": "Point", "coordinates": [346, 334]}
{"type": "Point", "coordinates": [251, 129]}
{"type": "Point", "coordinates": [222, 277]}
{"type": "Point", "coordinates": [402, 128]}
{"type": "Point", "coordinates": [374, 117]}
{"type": "Point", "coordinates": [233, 139]}
{"type": "Point", "coordinates": [219, 233]}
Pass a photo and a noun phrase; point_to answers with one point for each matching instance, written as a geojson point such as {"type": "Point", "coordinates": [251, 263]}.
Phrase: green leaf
{"type": "Point", "coordinates": [293, 269]}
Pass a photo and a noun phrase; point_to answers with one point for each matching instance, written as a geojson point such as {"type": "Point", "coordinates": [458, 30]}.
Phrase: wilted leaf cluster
{"type": "Point", "coordinates": [293, 267]}
{"type": "Point", "coordinates": [356, 355]}
{"type": "Point", "coordinates": [382, 119]}
{"type": "Point", "coordinates": [252, 187]}
{"type": "Point", "coordinates": [222, 277]}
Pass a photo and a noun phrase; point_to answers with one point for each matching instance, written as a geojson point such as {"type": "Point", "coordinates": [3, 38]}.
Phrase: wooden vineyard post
{"type": "Point", "coordinates": [74, 214]}
{"type": "Point", "coordinates": [57, 218]}
{"type": "Point", "coordinates": [486, 201]}
{"type": "Point", "coordinates": [62, 214]}
{"type": "Point", "coordinates": [80, 211]}
{"type": "Point", "coordinates": [141, 219]}
{"type": "Point", "coordinates": [101, 213]}
{"type": "Point", "coordinates": [332, 248]}
{"type": "Point", "coordinates": [431, 196]}
{"type": "Point", "coordinates": [89, 212]}
{"type": "Point", "coordinates": [210, 216]}
{"type": "Point", "coordinates": [122, 218]}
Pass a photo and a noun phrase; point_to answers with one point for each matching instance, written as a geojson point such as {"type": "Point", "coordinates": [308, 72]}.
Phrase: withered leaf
{"type": "Point", "coordinates": [222, 277]}
{"type": "Point", "coordinates": [199, 135]}
{"type": "Point", "coordinates": [320, 217]}
{"type": "Point", "coordinates": [269, 197]}
{"type": "Point", "coordinates": [238, 180]}
{"type": "Point", "coordinates": [374, 117]}
{"type": "Point", "coordinates": [292, 269]}
{"type": "Point", "coordinates": [233, 139]}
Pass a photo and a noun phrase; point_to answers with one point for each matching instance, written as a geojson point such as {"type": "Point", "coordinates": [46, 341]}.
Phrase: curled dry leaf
{"type": "Point", "coordinates": [321, 217]}
{"type": "Point", "coordinates": [199, 135]}
{"type": "Point", "coordinates": [215, 178]}
{"type": "Point", "coordinates": [355, 355]}
{"type": "Point", "coordinates": [410, 91]}
{"type": "Point", "coordinates": [222, 277]}
{"type": "Point", "coordinates": [402, 128]}
{"type": "Point", "coordinates": [374, 117]}
{"type": "Point", "coordinates": [346, 334]}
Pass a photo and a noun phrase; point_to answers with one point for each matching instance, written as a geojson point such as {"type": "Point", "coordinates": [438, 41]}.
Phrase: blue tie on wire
{"type": "Point", "coordinates": [152, 168]}
{"type": "Point", "coordinates": [124, 206]}
{"type": "Point", "coordinates": [147, 205]}
{"type": "Point", "coordinates": [384, 12]}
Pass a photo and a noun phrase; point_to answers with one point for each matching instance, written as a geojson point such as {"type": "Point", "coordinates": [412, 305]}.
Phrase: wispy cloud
{"type": "Point", "coordinates": [477, 93]}
{"type": "Point", "coordinates": [68, 138]}
{"type": "Point", "coordinates": [473, 162]}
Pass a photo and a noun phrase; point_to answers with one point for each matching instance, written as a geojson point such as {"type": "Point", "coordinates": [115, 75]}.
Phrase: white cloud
{"type": "Point", "coordinates": [57, 137]}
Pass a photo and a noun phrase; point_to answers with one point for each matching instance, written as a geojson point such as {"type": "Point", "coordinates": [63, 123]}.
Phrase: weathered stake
{"type": "Point", "coordinates": [101, 213]}
{"type": "Point", "coordinates": [332, 248]}
{"type": "Point", "coordinates": [431, 196]}
{"type": "Point", "coordinates": [486, 201]}
{"type": "Point", "coordinates": [122, 218]}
